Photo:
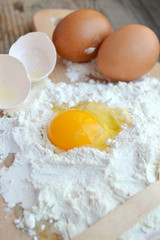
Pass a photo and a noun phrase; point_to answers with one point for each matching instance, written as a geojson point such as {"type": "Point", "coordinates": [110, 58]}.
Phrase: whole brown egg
{"type": "Point", "coordinates": [79, 35]}
{"type": "Point", "coordinates": [128, 53]}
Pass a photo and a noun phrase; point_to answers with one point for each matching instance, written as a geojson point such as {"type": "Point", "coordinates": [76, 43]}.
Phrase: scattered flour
{"type": "Point", "coordinates": [148, 228]}
{"type": "Point", "coordinates": [83, 72]}
{"type": "Point", "coordinates": [76, 188]}
{"type": "Point", "coordinates": [90, 50]}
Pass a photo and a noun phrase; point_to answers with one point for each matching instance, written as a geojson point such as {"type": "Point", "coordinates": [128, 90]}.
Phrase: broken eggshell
{"type": "Point", "coordinates": [38, 54]}
{"type": "Point", "coordinates": [14, 82]}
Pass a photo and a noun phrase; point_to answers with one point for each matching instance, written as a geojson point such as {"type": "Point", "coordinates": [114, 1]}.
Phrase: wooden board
{"type": "Point", "coordinates": [7, 229]}
{"type": "Point", "coordinates": [44, 21]}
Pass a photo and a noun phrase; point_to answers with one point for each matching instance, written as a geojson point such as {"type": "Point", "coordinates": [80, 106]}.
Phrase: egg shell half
{"type": "Point", "coordinates": [128, 53]}
{"type": "Point", "coordinates": [38, 54]}
{"type": "Point", "coordinates": [14, 77]}
{"type": "Point", "coordinates": [78, 36]}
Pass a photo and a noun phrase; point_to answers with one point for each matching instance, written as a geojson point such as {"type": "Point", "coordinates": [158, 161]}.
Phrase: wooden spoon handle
{"type": "Point", "coordinates": [121, 219]}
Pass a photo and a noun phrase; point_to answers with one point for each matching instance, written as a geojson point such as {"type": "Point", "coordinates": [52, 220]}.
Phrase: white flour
{"type": "Point", "coordinates": [83, 72]}
{"type": "Point", "coordinates": [76, 188]}
{"type": "Point", "coordinates": [90, 50]}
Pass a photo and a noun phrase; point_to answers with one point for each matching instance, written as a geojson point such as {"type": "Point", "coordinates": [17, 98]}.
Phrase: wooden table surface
{"type": "Point", "coordinates": [16, 15]}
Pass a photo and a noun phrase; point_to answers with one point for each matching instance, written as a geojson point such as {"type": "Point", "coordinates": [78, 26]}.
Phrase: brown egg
{"type": "Point", "coordinates": [128, 53]}
{"type": "Point", "coordinates": [78, 36]}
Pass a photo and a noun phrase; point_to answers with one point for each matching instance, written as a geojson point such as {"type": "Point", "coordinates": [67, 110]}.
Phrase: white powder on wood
{"type": "Point", "coordinates": [76, 188]}
{"type": "Point", "coordinates": [83, 72]}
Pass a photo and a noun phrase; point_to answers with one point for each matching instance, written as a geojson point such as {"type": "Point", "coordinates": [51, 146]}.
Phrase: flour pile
{"type": "Point", "coordinates": [76, 188]}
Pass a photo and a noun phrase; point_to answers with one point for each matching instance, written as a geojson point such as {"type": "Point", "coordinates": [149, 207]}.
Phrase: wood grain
{"type": "Point", "coordinates": [16, 15]}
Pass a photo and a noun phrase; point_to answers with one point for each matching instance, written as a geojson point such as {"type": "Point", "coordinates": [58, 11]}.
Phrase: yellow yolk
{"type": "Point", "coordinates": [73, 128]}
{"type": "Point", "coordinates": [87, 124]}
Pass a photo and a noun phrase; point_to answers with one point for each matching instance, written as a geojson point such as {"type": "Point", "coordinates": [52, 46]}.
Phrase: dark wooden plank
{"type": "Point", "coordinates": [153, 9]}
{"type": "Point", "coordinates": [118, 12]}
{"type": "Point", "coordinates": [16, 15]}
{"type": "Point", "coordinates": [147, 13]}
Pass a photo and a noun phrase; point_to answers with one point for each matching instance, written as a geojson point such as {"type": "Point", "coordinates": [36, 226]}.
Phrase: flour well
{"type": "Point", "coordinates": [76, 188]}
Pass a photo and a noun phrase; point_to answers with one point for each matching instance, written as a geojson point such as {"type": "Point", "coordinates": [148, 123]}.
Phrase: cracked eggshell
{"type": "Point", "coordinates": [14, 82]}
{"type": "Point", "coordinates": [38, 54]}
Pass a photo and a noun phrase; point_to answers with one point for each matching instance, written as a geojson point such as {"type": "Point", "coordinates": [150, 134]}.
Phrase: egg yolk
{"type": "Point", "coordinates": [73, 128]}
{"type": "Point", "coordinates": [87, 124]}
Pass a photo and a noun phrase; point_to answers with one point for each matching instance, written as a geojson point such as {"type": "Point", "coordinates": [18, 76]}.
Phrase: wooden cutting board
{"type": "Point", "coordinates": [44, 21]}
